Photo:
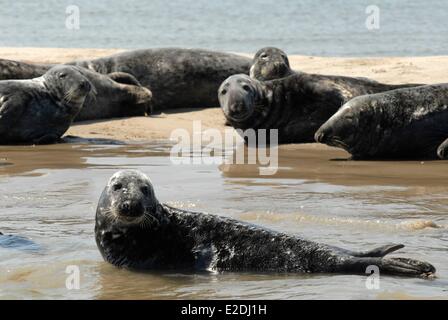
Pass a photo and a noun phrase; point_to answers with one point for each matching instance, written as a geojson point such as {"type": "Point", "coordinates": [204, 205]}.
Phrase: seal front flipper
{"type": "Point", "coordinates": [124, 78]}
{"type": "Point", "coordinates": [379, 252]}
{"type": "Point", "coordinates": [442, 150]}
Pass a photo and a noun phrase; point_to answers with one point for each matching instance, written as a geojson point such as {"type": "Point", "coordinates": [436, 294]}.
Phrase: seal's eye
{"type": "Point", "coordinates": [246, 87]}
{"type": "Point", "coordinates": [264, 56]}
{"type": "Point", "coordinates": [145, 190]}
{"type": "Point", "coordinates": [117, 186]}
{"type": "Point", "coordinates": [224, 91]}
{"type": "Point", "coordinates": [62, 75]}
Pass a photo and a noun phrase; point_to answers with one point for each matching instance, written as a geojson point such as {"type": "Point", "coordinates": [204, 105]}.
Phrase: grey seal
{"type": "Point", "coordinates": [270, 63]}
{"type": "Point", "coordinates": [177, 77]}
{"type": "Point", "coordinates": [409, 123]}
{"type": "Point", "coordinates": [40, 110]}
{"type": "Point", "coordinates": [134, 230]}
{"type": "Point", "coordinates": [296, 105]}
{"type": "Point", "coordinates": [117, 94]}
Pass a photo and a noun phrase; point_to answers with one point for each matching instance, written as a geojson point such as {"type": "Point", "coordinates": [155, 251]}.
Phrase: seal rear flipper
{"type": "Point", "coordinates": [393, 266]}
{"type": "Point", "coordinates": [380, 251]}
{"type": "Point", "coordinates": [124, 78]}
{"type": "Point", "coordinates": [442, 150]}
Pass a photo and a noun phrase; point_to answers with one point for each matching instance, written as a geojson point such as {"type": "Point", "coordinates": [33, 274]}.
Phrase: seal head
{"type": "Point", "coordinates": [342, 130]}
{"type": "Point", "coordinates": [129, 200]}
{"type": "Point", "coordinates": [241, 98]}
{"type": "Point", "coordinates": [67, 84]}
{"type": "Point", "coordinates": [270, 63]}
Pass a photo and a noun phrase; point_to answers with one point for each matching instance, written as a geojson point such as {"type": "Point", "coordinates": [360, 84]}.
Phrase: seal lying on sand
{"type": "Point", "coordinates": [40, 110]}
{"type": "Point", "coordinates": [114, 99]}
{"type": "Point", "coordinates": [405, 123]}
{"type": "Point", "coordinates": [177, 78]}
{"type": "Point", "coordinates": [270, 63]}
{"type": "Point", "coordinates": [296, 105]}
{"type": "Point", "coordinates": [116, 95]}
{"type": "Point", "coordinates": [134, 230]}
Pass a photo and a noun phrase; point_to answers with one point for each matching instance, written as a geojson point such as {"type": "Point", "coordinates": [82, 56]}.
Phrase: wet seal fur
{"type": "Point", "coordinates": [134, 230]}
{"type": "Point", "coordinates": [410, 123]}
{"type": "Point", "coordinates": [40, 110]}
{"type": "Point", "coordinates": [117, 94]}
{"type": "Point", "coordinates": [296, 105]}
{"type": "Point", "coordinates": [177, 77]}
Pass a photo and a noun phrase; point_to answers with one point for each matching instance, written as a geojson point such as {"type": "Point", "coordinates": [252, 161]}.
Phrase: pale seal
{"type": "Point", "coordinates": [40, 110]}
{"type": "Point", "coordinates": [117, 94]}
{"type": "Point", "coordinates": [134, 230]}
{"type": "Point", "coordinates": [409, 123]}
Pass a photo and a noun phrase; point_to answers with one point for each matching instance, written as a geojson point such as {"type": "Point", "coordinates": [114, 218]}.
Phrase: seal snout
{"type": "Point", "coordinates": [131, 208]}
{"type": "Point", "coordinates": [85, 85]}
{"type": "Point", "coordinates": [322, 135]}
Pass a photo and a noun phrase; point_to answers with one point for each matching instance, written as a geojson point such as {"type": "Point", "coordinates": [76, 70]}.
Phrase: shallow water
{"type": "Point", "coordinates": [310, 27]}
{"type": "Point", "coordinates": [49, 195]}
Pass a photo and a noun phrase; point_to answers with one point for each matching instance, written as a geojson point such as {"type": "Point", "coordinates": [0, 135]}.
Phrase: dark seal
{"type": "Point", "coordinates": [177, 78]}
{"type": "Point", "coordinates": [117, 94]}
{"type": "Point", "coordinates": [270, 63]}
{"type": "Point", "coordinates": [410, 123]}
{"type": "Point", "coordinates": [40, 110]}
{"type": "Point", "coordinates": [296, 105]}
{"type": "Point", "coordinates": [134, 230]}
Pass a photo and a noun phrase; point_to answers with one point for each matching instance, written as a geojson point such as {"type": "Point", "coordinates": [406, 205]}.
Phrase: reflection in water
{"type": "Point", "coordinates": [48, 194]}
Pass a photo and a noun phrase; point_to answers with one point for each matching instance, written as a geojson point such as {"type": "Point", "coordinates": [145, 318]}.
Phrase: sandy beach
{"type": "Point", "coordinates": [389, 70]}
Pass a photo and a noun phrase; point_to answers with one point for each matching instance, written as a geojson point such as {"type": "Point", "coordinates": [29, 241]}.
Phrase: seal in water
{"type": "Point", "coordinates": [134, 230]}
{"type": "Point", "coordinates": [117, 94]}
{"type": "Point", "coordinates": [177, 78]}
{"type": "Point", "coordinates": [296, 105]}
{"type": "Point", "coordinates": [270, 63]}
{"type": "Point", "coordinates": [40, 110]}
{"type": "Point", "coordinates": [18, 242]}
{"type": "Point", "coordinates": [408, 123]}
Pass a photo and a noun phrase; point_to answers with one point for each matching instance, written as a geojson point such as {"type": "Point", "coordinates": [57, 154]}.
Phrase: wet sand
{"type": "Point", "coordinates": [49, 194]}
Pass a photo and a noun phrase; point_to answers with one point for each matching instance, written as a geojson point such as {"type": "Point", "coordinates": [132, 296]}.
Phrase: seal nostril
{"type": "Point", "coordinates": [125, 207]}
{"type": "Point", "coordinates": [319, 136]}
